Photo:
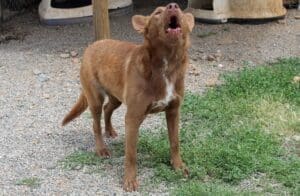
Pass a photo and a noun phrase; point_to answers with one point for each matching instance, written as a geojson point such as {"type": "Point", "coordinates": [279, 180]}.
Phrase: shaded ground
{"type": "Point", "coordinates": [38, 87]}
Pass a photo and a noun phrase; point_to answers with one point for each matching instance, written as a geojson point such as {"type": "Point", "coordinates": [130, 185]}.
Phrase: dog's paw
{"type": "Point", "coordinates": [130, 184]}
{"type": "Point", "coordinates": [104, 152]}
{"type": "Point", "coordinates": [111, 133]}
{"type": "Point", "coordinates": [181, 167]}
{"type": "Point", "coordinates": [185, 171]}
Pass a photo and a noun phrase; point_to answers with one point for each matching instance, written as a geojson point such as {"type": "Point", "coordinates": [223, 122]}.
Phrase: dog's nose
{"type": "Point", "coordinates": [172, 7]}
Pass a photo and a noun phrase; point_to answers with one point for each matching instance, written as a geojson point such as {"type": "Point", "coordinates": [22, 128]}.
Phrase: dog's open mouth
{"type": "Point", "coordinates": [173, 27]}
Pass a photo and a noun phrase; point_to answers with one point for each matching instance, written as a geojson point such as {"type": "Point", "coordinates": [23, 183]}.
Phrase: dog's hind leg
{"type": "Point", "coordinates": [95, 102]}
{"type": "Point", "coordinates": [113, 103]}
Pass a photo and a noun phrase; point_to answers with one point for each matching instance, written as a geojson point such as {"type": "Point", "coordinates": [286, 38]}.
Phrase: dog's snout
{"type": "Point", "coordinates": [172, 7]}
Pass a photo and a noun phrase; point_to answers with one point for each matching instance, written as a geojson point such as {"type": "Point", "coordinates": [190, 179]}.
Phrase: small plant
{"type": "Point", "coordinates": [30, 182]}
{"type": "Point", "coordinates": [78, 159]}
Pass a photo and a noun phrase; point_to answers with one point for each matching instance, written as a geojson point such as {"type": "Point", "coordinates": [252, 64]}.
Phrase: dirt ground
{"type": "Point", "coordinates": [40, 82]}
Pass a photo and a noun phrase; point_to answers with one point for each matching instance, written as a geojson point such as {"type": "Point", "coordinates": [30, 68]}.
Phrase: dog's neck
{"type": "Point", "coordinates": [163, 56]}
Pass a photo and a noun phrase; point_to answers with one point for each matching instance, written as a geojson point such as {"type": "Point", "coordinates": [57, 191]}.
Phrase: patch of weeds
{"type": "Point", "coordinates": [228, 134]}
{"type": "Point", "coordinates": [277, 116]}
{"type": "Point", "coordinates": [79, 159]}
{"type": "Point", "coordinates": [206, 34]}
{"type": "Point", "coordinates": [199, 188]}
{"type": "Point", "coordinates": [117, 148]}
{"type": "Point", "coordinates": [30, 182]}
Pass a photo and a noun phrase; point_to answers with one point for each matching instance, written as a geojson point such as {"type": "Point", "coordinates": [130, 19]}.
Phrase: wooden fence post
{"type": "Point", "coordinates": [101, 19]}
{"type": "Point", "coordinates": [1, 14]}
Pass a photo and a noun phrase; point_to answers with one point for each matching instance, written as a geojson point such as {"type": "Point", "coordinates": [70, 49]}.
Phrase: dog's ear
{"type": "Point", "coordinates": [190, 21]}
{"type": "Point", "coordinates": [139, 23]}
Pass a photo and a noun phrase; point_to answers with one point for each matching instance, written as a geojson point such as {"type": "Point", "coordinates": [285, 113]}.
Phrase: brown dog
{"type": "Point", "coordinates": [148, 78]}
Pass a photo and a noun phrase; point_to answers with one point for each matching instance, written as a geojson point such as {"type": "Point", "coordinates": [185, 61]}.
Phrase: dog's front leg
{"type": "Point", "coordinates": [133, 120]}
{"type": "Point", "coordinates": [172, 116]}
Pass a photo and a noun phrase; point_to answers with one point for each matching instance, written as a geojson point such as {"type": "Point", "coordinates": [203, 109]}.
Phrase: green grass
{"type": "Point", "coordinates": [193, 188]}
{"type": "Point", "coordinates": [233, 131]}
{"type": "Point", "coordinates": [79, 159]}
{"type": "Point", "coordinates": [30, 182]}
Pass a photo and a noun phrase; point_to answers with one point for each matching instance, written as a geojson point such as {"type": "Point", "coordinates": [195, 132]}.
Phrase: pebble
{"type": "Point", "coordinates": [46, 96]}
{"type": "Point", "coordinates": [194, 57]}
{"type": "Point", "coordinates": [194, 72]}
{"type": "Point", "coordinates": [220, 65]}
{"type": "Point", "coordinates": [211, 82]}
{"type": "Point", "coordinates": [51, 166]}
{"type": "Point", "coordinates": [42, 77]}
{"type": "Point", "coordinates": [74, 53]}
{"type": "Point", "coordinates": [76, 60]}
{"type": "Point", "coordinates": [230, 58]}
{"type": "Point", "coordinates": [296, 79]}
{"type": "Point", "coordinates": [204, 57]}
{"type": "Point", "coordinates": [211, 58]}
{"type": "Point", "coordinates": [36, 72]}
{"type": "Point", "coordinates": [282, 21]}
{"type": "Point", "coordinates": [297, 17]}
{"type": "Point", "coordinates": [78, 167]}
{"type": "Point", "coordinates": [296, 138]}
{"type": "Point", "coordinates": [64, 55]}
{"type": "Point", "coordinates": [218, 55]}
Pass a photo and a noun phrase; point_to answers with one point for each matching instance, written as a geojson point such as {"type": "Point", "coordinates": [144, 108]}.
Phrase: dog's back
{"type": "Point", "coordinates": [104, 63]}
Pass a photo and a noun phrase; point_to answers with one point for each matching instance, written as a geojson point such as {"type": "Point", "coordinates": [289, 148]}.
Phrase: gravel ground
{"type": "Point", "coordinates": [40, 83]}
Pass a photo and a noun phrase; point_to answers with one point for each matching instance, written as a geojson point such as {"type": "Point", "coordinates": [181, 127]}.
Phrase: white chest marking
{"type": "Point", "coordinates": [169, 95]}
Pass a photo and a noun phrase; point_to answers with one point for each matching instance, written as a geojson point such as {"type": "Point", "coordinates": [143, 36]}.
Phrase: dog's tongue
{"type": "Point", "coordinates": [174, 32]}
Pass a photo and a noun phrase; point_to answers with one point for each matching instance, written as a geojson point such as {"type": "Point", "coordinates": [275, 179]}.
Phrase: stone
{"type": "Point", "coordinates": [204, 57]}
{"type": "Point", "coordinates": [218, 55]}
{"type": "Point", "coordinates": [76, 60]}
{"type": "Point", "coordinates": [296, 138]}
{"type": "Point", "coordinates": [46, 96]}
{"type": "Point", "coordinates": [230, 58]}
{"type": "Point", "coordinates": [282, 21]}
{"type": "Point", "coordinates": [297, 17]}
{"type": "Point", "coordinates": [64, 55]}
{"type": "Point", "coordinates": [73, 53]}
{"type": "Point", "coordinates": [220, 65]}
{"type": "Point", "coordinates": [211, 58]}
{"type": "Point", "coordinates": [42, 77]}
{"type": "Point", "coordinates": [211, 82]}
{"type": "Point", "coordinates": [36, 72]}
{"type": "Point", "coordinates": [194, 57]}
{"type": "Point", "coordinates": [296, 79]}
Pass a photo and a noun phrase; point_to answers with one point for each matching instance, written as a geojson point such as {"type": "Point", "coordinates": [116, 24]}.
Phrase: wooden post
{"type": "Point", "coordinates": [1, 15]}
{"type": "Point", "coordinates": [101, 19]}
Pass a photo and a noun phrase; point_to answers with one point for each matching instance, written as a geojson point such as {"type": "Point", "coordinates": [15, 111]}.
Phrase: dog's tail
{"type": "Point", "coordinates": [79, 107]}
